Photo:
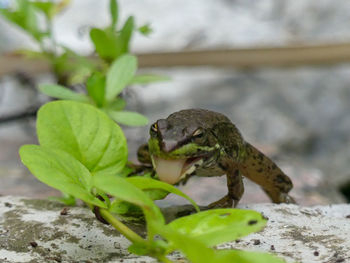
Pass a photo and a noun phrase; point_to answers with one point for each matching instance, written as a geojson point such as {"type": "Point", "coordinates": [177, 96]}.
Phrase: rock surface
{"type": "Point", "coordinates": [44, 231]}
{"type": "Point", "coordinates": [298, 116]}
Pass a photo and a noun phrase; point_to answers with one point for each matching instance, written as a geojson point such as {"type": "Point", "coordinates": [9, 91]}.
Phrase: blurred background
{"type": "Point", "coordinates": [278, 69]}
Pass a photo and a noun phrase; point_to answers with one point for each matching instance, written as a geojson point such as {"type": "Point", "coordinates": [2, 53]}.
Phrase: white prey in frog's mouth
{"type": "Point", "coordinates": [172, 171]}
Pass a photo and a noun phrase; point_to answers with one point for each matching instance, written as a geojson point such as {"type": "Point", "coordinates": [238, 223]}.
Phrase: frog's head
{"type": "Point", "coordinates": [184, 142]}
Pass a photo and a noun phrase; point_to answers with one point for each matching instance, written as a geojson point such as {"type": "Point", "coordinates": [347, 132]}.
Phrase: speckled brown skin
{"type": "Point", "coordinates": [229, 154]}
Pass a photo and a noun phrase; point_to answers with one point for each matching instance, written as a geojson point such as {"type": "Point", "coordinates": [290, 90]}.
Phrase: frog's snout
{"type": "Point", "coordinates": [168, 145]}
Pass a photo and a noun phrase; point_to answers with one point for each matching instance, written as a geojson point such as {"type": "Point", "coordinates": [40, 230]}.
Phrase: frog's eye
{"type": "Point", "coordinates": [198, 133]}
{"type": "Point", "coordinates": [154, 127]}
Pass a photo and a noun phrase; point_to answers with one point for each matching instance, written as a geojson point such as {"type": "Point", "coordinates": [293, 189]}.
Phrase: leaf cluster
{"type": "Point", "coordinates": [26, 14]}
{"type": "Point", "coordinates": [105, 77]}
{"type": "Point", "coordinates": [83, 153]}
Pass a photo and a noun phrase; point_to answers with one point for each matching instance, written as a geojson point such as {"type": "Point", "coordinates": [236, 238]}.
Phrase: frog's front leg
{"type": "Point", "coordinates": [143, 155]}
{"type": "Point", "coordinates": [235, 191]}
{"type": "Point", "coordinates": [145, 165]}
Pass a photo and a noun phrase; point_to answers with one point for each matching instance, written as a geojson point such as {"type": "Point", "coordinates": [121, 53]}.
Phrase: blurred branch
{"type": "Point", "coordinates": [288, 56]}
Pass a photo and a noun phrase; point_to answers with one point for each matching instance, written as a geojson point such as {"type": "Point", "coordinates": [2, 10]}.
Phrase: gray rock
{"type": "Point", "coordinates": [38, 231]}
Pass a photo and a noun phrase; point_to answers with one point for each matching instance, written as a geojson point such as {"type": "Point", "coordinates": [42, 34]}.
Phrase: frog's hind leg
{"type": "Point", "coordinates": [263, 171]}
{"type": "Point", "coordinates": [235, 191]}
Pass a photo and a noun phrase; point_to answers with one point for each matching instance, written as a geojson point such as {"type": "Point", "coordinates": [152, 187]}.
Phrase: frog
{"type": "Point", "coordinates": [200, 142]}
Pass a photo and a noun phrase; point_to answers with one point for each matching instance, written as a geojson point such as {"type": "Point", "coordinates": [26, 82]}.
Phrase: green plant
{"type": "Point", "coordinates": [105, 76]}
{"type": "Point", "coordinates": [83, 153]}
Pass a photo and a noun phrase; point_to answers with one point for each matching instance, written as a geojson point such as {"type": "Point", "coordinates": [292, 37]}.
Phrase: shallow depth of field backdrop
{"type": "Point", "coordinates": [297, 114]}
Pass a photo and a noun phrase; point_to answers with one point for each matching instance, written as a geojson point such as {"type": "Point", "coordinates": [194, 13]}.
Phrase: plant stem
{"type": "Point", "coordinates": [51, 36]}
{"type": "Point", "coordinates": [123, 229]}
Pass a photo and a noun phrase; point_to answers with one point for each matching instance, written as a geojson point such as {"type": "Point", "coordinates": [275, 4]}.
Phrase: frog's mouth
{"type": "Point", "coordinates": [172, 171]}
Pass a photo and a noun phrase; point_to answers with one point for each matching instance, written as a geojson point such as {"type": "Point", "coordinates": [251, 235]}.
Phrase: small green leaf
{"type": "Point", "coordinates": [126, 33]}
{"type": "Point", "coordinates": [122, 189]}
{"type": "Point", "coordinates": [149, 183]}
{"type": "Point", "coordinates": [195, 250]}
{"type": "Point", "coordinates": [61, 92]}
{"type": "Point", "coordinates": [128, 118]}
{"type": "Point", "coordinates": [119, 75]}
{"type": "Point", "coordinates": [229, 256]}
{"type": "Point", "coordinates": [146, 79]}
{"type": "Point", "coordinates": [219, 225]}
{"type": "Point", "coordinates": [114, 10]}
{"type": "Point", "coordinates": [106, 43]}
{"type": "Point", "coordinates": [95, 86]}
{"type": "Point", "coordinates": [59, 170]}
{"type": "Point", "coordinates": [48, 8]}
{"type": "Point", "coordinates": [85, 132]}
{"type": "Point", "coordinates": [72, 66]}
{"type": "Point", "coordinates": [145, 30]}
{"type": "Point", "coordinates": [25, 16]}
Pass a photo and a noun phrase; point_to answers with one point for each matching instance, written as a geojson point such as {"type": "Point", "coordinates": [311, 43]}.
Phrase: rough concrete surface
{"type": "Point", "coordinates": [44, 231]}
{"type": "Point", "coordinates": [297, 116]}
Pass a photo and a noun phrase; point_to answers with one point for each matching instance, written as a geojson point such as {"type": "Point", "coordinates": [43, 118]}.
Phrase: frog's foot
{"type": "Point", "coordinates": [280, 197]}
{"type": "Point", "coordinates": [287, 199]}
{"type": "Point", "coordinates": [225, 202]}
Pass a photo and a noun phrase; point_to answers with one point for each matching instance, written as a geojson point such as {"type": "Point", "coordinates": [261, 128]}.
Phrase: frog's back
{"type": "Point", "coordinates": [197, 117]}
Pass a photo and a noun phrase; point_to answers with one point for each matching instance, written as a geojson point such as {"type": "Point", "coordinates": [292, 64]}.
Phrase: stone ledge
{"type": "Point", "coordinates": [43, 231]}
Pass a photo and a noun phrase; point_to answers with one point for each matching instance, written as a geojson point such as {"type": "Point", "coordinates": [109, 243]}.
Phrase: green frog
{"type": "Point", "coordinates": [206, 143]}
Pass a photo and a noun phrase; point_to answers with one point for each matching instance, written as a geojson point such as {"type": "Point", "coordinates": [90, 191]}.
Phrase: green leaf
{"type": "Point", "coordinates": [152, 248]}
{"type": "Point", "coordinates": [85, 132]}
{"type": "Point", "coordinates": [65, 199]}
{"type": "Point", "coordinates": [114, 10]}
{"type": "Point", "coordinates": [140, 249]}
{"type": "Point", "coordinates": [128, 118]}
{"type": "Point", "coordinates": [122, 189]}
{"type": "Point", "coordinates": [126, 33]}
{"type": "Point", "coordinates": [156, 194]}
{"type": "Point", "coordinates": [145, 30]}
{"type": "Point", "coordinates": [146, 79]}
{"type": "Point", "coordinates": [119, 75]}
{"type": "Point", "coordinates": [126, 171]}
{"type": "Point", "coordinates": [95, 86]}
{"type": "Point", "coordinates": [61, 92]}
{"type": "Point", "coordinates": [121, 207]}
{"type": "Point", "coordinates": [229, 256]}
{"type": "Point", "coordinates": [148, 183]}
{"type": "Point", "coordinates": [106, 43]}
{"type": "Point", "coordinates": [219, 225]}
{"type": "Point", "coordinates": [59, 170]}
{"type": "Point", "coordinates": [117, 104]}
